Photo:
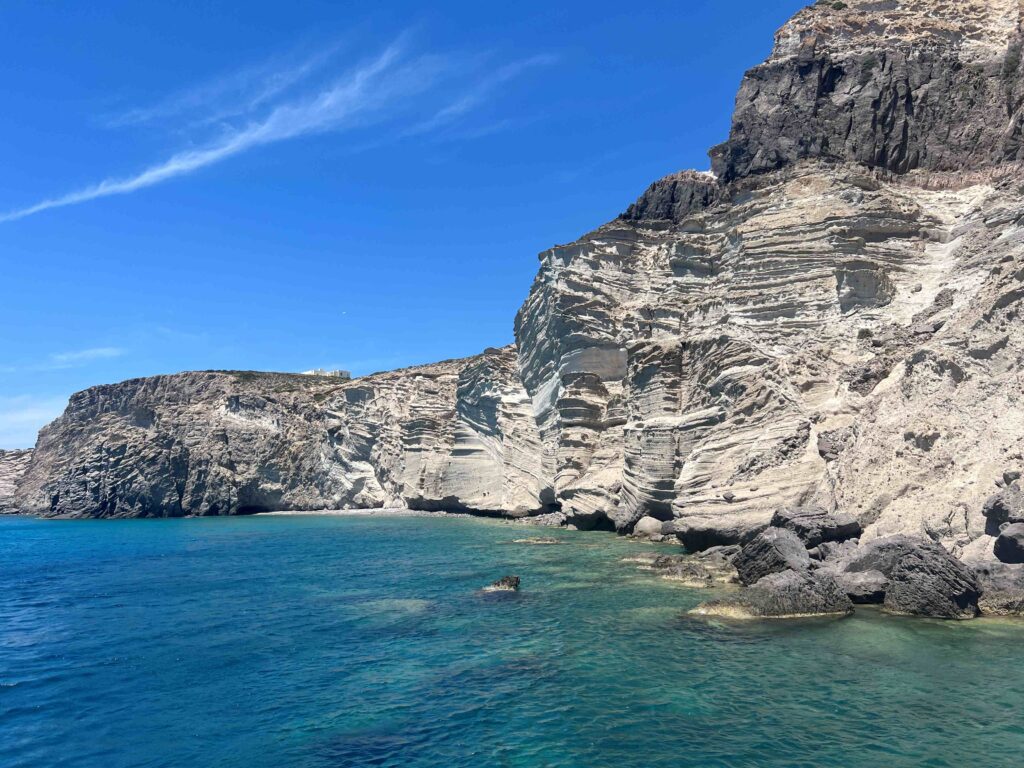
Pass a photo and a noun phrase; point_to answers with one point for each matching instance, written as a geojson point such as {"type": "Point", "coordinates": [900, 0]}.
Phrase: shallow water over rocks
{"type": "Point", "coordinates": [344, 641]}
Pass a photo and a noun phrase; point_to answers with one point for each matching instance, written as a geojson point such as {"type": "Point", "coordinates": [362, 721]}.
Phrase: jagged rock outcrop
{"type": "Point", "coordinates": [772, 551]}
{"type": "Point", "coordinates": [831, 319]}
{"type": "Point", "coordinates": [13, 464]}
{"type": "Point", "coordinates": [1002, 589]}
{"type": "Point", "coordinates": [457, 435]}
{"type": "Point", "coordinates": [814, 526]}
{"type": "Point", "coordinates": [1009, 546]}
{"type": "Point", "coordinates": [928, 581]}
{"type": "Point", "coordinates": [835, 324]}
{"type": "Point", "coordinates": [1004, 508]}
{"type": "Point", "coordinates": [894, 85]}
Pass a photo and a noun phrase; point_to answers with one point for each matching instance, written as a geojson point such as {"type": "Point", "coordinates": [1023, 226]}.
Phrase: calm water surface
{"type": "Point", "coordinates": [340, 641]}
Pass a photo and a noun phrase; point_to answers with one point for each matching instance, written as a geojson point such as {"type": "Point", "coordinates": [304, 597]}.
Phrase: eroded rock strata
{"type": "Point", "coordinates": [13, 464]}
{"type": "Point", "coordinates": [829, 320]}
{"type": "Point", "coordinates": [457, 435]}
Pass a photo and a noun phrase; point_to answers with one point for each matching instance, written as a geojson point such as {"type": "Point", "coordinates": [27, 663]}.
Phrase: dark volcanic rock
{"type": "Point", "coordinates": [1002, 589]}
{"type": "Point", "coordinates": [504, 584]}
{"type": "Point", "coordinates": [705, 569]}
{"type": "Point", "coordinates": [887, 87]}
{"type": "Point", "coordinates": [879, 555]}
{"type": "Point", "coordinates": [911, 576]}
{"type": "Point", "coordinates": [814, 525]}
{"type": "Point", "coordinates": [771, 551]}
{"type": "Point", "coordinates": [675, 196]}
{"type": "Point", "coordinates": [1009, 547]}
{"type": "Point", "coordinates": [928, 581]}
{"type": "Point", "coordinates": [698, 536]}
{"type": "Point", "coordinates": [1006, 506]}
{"type": "Point", "coordinates": [833, 550]}
{"type": "Point", "coordinates": [790, 594]}
{"type": "Point", "coordinates": [864, 587]}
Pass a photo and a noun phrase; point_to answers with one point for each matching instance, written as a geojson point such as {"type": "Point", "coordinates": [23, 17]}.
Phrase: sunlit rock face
{"type": "Point", "coordinates": [457, 435]}
{"type": "Point", "coordinates": [753, 354]}
{"type": "Point", "coordinates": [831, 318]}
{"type": "Point", "coordinates": [13, 465]}
{"type": "Point", "coordinates": [800, 326]}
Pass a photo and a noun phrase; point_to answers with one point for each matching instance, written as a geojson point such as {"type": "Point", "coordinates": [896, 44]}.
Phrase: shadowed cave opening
{"type": "Point", "coordinates": [253, 509]}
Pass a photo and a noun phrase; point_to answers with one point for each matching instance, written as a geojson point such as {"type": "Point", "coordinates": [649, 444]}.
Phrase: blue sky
{"type": "Point", "coordinates": [282, 186]}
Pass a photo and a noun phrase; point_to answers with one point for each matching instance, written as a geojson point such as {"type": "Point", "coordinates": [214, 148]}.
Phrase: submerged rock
{"type": "Point", "coordinates": [539, 541]}
{"type": "Point", "coordinates": [700, 571]}
{"type": "Point", "coordinates": [771, 551]}
{"type": "Point", "coordinates": [787, 595]}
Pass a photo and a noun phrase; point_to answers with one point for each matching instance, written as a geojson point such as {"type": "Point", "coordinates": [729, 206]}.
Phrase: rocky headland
{"type": "Point", "coordinates": [810, 358]}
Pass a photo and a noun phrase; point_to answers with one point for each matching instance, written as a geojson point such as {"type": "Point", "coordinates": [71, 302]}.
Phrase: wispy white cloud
{"type": "Point", "coordinates": [326, 110]}
{"type": "Point", "coordinates": [86, 355]}
{"type": "Point", "coordinates": [62, 360]}
{"type": "Point", "coordinates": [229, 95]}
{"type": "Point", "coordinates": [479, 93]}
{"type": "Point", "coordinates": [377, 90]}
{"type": "Point", "coordinates": [23, 416]}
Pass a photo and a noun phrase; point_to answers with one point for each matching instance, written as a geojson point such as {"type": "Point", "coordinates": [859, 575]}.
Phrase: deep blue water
{"type": "Point", "coordinates": [339, 641]}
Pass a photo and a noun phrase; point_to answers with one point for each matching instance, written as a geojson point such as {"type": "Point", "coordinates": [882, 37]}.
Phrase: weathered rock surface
{"type": "Point", "coordinates": [457, 435]}
{"type": "Point", "coordinates": [1004, 508]}
{"type": "Point", "coordinates": [911, 576]}
{"type": "Point", "coordinates": [832, 319]}
{"type": "Point", "coordinates": [648, 527]}
{"type": "Point", "coordinates": [863, 587]}
{"type": "Point", "coordinates": [785, 595]}
{"type": "Point", "coordinates": [1002, 589]}
{"type": "Point", "coordinates": [907, 575]}
{"type": "Point", "coordinates": [815, 526]}
{"type": "Point", "coordinates": [712, 567]}
{"type": "Point", "coordinates": [13, 464]}
{"type": "Point", "coordinates": [894, 85]}
{"type": "Point", "coordinates": [1009, 546]}
{"type": "Point", "coordinates": [771, 551]}
{"type": "Point", "coordinates": [928, 581]}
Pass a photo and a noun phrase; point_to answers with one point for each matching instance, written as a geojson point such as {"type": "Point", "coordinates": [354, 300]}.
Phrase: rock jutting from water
{"type": "Point", "coordinates": [504, 584]}
{"type": "Point", "coordinates": [828, 320]}
{"type": "Point", "coordinates": [905, 575]}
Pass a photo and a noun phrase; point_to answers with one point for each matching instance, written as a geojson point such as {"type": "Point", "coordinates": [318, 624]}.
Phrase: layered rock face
{"type": "Point", "coordinates": [456, 435]}
{"type": "Point", "coordinates": [13, 465]}
{"type": "Point", "coordinates": [831, 318]}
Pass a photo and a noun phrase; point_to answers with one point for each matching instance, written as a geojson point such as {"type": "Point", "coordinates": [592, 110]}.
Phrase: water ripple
{"type": "Point", "coordinates": [315, 642]}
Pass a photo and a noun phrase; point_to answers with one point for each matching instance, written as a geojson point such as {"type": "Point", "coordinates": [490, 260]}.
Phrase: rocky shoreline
{"type": "Point", "coordinates": [808, 361]}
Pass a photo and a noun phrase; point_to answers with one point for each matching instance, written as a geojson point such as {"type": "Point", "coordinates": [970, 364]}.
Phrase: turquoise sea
{"type": "Point", "coordinates": [344, 641]}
